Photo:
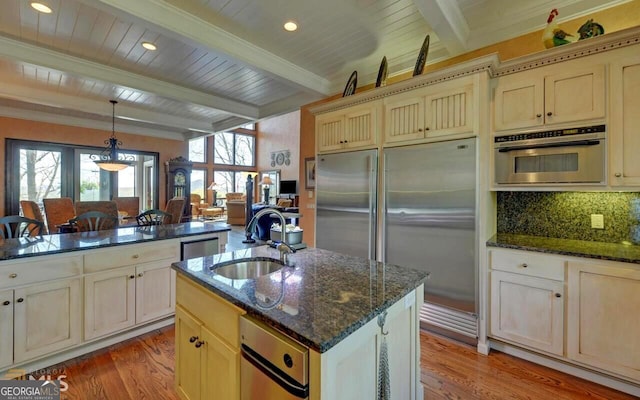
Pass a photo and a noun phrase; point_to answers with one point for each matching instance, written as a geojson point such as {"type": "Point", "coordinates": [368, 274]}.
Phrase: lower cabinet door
{"type": "Point", "coordinates": [603, 328]}
{"type": "Point", "coordinates": [528, 311]}
{"type": "Point", "coordinates": [220, 369]}
{"type": "Point", "coordinates": [188, 356]}
{"type": "Point", "coordinates": [155, 291]}
{"type": "Point", "coordinates": [109, 302]}
{"type": "Point", "coordinates": [6, 328]}
{"type": "Point", "coordinates": [46, 318]}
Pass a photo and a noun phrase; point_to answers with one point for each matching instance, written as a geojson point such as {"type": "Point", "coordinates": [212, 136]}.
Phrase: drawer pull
{"type": "Point", "coordinates": [558, 295]}
{"type": "Point", "coordinates": [13, 276]}
{"type": "Point", "coordinates": [6, 303]}
{"type": "Point", "coordinates": [524, 265]}
{"type": "Point", "coordinates": [538, 115]}
{"type": "Point", "coordinates": [617, 174]}
{"type": "Point", "coordinates": [199, 343]}
{"type": "Point", "coordinates": [140, 275]}
{"type": "Point", "coordinates": [136, 256]}
{"type": "Point", "coordinates": [132, 277]}
{"type": "Point", "coordinates": [20, 300]}
{"type": "Point", "coordinates": [193, 339]}
{"type": "Point", "coordinates": [549, 114]}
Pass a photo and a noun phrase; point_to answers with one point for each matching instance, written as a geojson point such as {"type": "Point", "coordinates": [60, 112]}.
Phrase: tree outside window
{"type": "Point", "coordinates": [198, 150]}
{"type": "Point", "coordinates": [234, 149]}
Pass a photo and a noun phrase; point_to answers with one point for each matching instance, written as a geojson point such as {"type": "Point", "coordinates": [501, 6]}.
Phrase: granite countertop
{"type": "Point", "coordinates": [67, 242]}
{"type": "Point", "coordinates": [579, 248]}
{"type": "Point", "coordinates": [319, 300]}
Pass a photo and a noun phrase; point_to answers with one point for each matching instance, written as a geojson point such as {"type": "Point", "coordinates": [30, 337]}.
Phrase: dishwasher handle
{"type": "Point", "coordinates": [274, 373]}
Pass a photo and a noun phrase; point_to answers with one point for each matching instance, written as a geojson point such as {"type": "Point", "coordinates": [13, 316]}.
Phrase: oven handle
{"type": "Point", "coordinates": [274, 373]}
{"type": "Point", "coordinates": [550, 145]}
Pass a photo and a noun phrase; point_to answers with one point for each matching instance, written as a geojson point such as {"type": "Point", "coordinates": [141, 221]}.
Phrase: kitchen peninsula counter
{"type": "Point", "coordinates": [578, 248]}
{"type": "Point", "coordinates": [69, 242]}
{"type": "Point", "coordinates": [327, 295]}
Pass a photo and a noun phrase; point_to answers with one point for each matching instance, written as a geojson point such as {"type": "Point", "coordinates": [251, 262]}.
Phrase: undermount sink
{"type": "Point", "coordinates": [249, 269]}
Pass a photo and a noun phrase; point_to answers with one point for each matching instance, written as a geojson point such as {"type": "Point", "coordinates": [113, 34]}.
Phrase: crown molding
{"type": "Point", "coordinates": [482, 64]}
{"type": "Point", "coordinates": [582, 48]}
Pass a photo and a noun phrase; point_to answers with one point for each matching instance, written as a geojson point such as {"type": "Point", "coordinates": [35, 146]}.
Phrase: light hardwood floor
{"type": "Point", "coordinates": [142, 368]}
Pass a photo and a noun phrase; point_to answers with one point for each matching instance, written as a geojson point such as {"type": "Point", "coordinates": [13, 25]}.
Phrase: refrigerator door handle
{"type": "Point", "coordinates": [373, 177]}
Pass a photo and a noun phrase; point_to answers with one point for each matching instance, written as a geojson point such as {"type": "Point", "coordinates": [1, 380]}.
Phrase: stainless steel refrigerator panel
{"type": "Point", "coordinates": [346, 202]}
{"type": "Point", "coordinates": [429, 221]}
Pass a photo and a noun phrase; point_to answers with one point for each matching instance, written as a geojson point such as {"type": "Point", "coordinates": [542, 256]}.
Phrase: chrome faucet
{"type": "Point", "coordinates": [283, 247]}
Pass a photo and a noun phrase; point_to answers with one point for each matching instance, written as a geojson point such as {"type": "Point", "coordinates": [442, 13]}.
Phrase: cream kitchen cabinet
{"type": "Point", "coordinates": [547, 96]}
{"type": "Point", "coordinates": [527, 300]}
{"type": "Point", "coordinates": [625, 119]}
{"type": "Point", "coordinates": [207, 345]}
{"type": "Point", "coordinates": [603, 328]}
{"type": "Point", "coordinates": [128, 286]}
{"type": "Point", "coordinates": [40, 308]}
{"type": "Point", "coordinates": [429, 113]}
{"type": "Point", "coordinates": [352, 128]}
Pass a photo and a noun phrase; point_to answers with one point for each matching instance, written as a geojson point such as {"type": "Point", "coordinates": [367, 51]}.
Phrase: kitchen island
{"type": "Point", "coordinates": [68, 294]}
{"type": "Point", "coordinates": [341, 308]}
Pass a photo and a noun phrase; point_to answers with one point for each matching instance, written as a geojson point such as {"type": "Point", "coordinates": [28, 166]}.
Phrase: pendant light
{"type": "Point", "coordinates": [110, 159]}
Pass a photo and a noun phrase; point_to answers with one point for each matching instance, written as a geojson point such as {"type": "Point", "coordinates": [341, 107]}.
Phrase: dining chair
{"type": "Point", "coordinates": [175, 207]}
{"type": "Point", "coordinates": [14, 226]}
{"type": "Point", "coordinates": [130, 205]}
{"type": "Point", "coordinates": [153, 217]}
{"type": "Point", "coordinates": [94, 221]}
{"type": "Point", "coordinates": [30, 209]}
{"type": "Point", "coordinates": [58, 211]}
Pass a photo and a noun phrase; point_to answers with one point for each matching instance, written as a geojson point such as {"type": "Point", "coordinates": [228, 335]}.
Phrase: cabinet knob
{"type": "Point", "coordinates": [136, 256]}
{"type": "Point", "coordinates": [132, 277]}
{"type": "Point", "coordinates": [426, 129]}
{"type": "Point", "coordinates": [193, 339]}
{"type": "Point", "coordinates": [538, 115]}
{"type": "Point", "coordinates": [6, 303]}
{"type": "Point", "coordinates": [13, 276]}
{"type": "Point", "coordinates": [617, 174]}
{"type": "Point", "coordinates": [199, 343]}
{"type": "Point", "coordinates": [524, 265]}
{"type": "Point", "coordinates": [140, 274]}
{"type": "Point", "coordinates": [549, 114]}
{"type": "Point", "coordinates": [558, 295]}
{"type": "Point", "coordinates": [419, 129]}
{"type": "Point", "coordinates": [20, 300]}
{"type": "Point", "coordinates": [345, 141]}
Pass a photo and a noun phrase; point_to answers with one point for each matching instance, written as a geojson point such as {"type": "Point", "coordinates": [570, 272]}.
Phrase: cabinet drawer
{"type": "Point", "coordinates": [100, 260]}
{"type": "Point", "coordinates": [220, 316]}
{"type": "Point", "coordinates": [39, 270]}
{"type": "Point", "coordinates": [528, 263]}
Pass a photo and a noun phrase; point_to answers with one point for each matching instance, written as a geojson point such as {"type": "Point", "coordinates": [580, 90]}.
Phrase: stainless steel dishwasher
{"type": "Point", "coordinates": [273, 366]}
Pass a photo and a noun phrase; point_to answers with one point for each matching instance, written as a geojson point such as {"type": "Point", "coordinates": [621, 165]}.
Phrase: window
{"type": "Point", "coordinates": [198, 150]}
{"type": "Point", "coordinates": [231, 181]}
{"type": "Point", "coordinates": [60, 170]}
{"type": "Point", "coordinates": [234, 149]}
{"type": "Point", "coordinates": [251, 127]}
{"type": "Point", "coordinates": [199, 182]}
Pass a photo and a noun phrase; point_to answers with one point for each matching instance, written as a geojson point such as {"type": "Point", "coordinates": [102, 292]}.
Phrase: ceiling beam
{"type": "Point", "coordinates": [65, 63]}
{"type": "Point", "coordinates": [57, 101]}
{"type": "Point", "coordinates": [171, 18]}
{"type": "Point", "coordinates": [448, 23]}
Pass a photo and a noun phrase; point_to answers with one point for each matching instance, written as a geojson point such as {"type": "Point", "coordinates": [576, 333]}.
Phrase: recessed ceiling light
{"type": "Point", "coordinates": [43, 8]}
{"type": "Point", "coordinates": [149, 46]}
{"type": "Point", "coordinates": [290, 26]}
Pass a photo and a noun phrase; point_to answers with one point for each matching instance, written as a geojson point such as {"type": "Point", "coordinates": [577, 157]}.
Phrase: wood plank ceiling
{"type": "Point", "coordinates": [223, 63]}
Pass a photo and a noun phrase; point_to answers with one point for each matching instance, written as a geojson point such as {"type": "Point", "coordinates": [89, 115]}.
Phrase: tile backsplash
{"type": "Point", "coordinates": [567, 215]}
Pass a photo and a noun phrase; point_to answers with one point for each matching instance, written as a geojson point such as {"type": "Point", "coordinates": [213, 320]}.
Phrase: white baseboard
{"type": "Point", "coordinates": [571, 369]}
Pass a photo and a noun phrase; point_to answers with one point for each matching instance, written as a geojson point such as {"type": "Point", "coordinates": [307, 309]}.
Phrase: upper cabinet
{"type": "Point", "coordinates": [350, 128]}
{"type": "Point", "coordinates": [428, 113]}
{"type": "Point", "coordinates": [554, 95]}
{"type": "Point", "coordinates": [625, 119]}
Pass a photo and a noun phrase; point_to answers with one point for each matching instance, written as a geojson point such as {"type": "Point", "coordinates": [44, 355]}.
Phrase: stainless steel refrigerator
{"type": "Point", "coordinates": [429, 224]}
{"type": "Point", "coordinates": [346, 202]}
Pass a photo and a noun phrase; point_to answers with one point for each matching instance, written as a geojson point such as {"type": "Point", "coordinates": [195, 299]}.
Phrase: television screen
{"type": "Point", "coordinates": [288, 187]}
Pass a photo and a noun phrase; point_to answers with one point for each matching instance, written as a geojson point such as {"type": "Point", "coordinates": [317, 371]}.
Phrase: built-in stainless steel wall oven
{"type": "Point", "coordinates": [575, 155]}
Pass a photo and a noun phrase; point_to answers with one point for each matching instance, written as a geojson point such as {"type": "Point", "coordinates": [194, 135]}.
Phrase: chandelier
{"type": "Point", "coordinates": [110, 159]}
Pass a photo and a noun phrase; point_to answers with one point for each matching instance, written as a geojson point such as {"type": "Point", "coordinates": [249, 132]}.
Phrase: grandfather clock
{"type": "Point", "coordinates": [179, 181]}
